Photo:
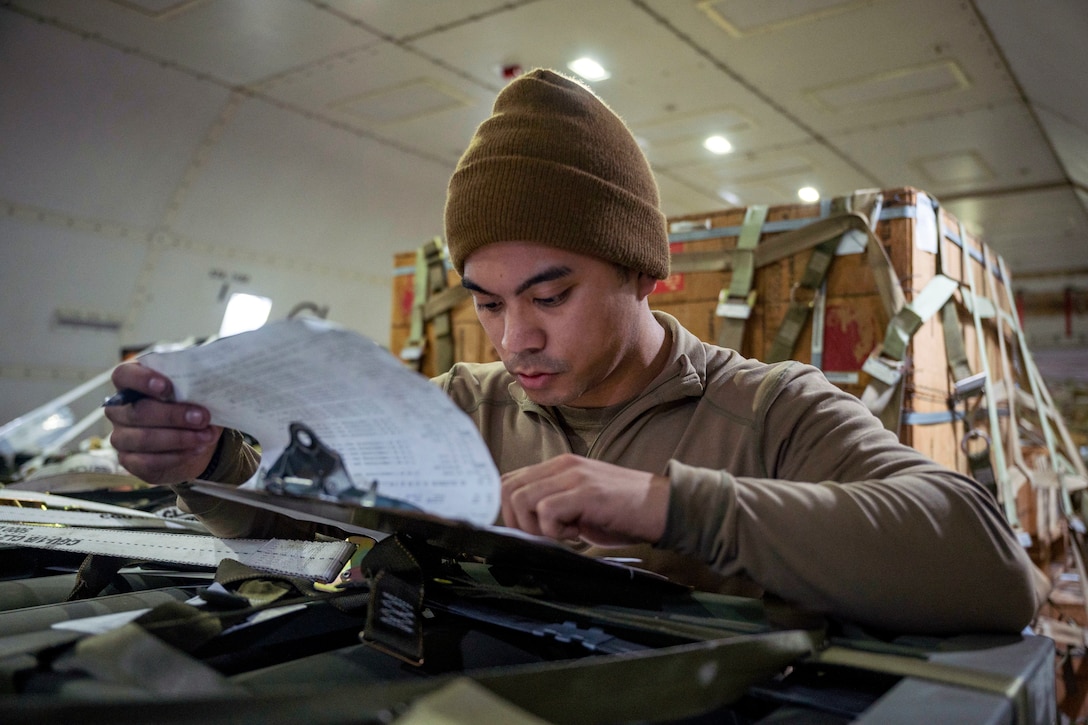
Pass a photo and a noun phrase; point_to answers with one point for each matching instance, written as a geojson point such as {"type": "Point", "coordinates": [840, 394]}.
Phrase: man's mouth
{"type": "Point", "coordinates": [533, 379]}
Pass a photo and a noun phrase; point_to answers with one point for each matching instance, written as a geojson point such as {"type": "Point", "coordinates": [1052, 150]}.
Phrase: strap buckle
{"type": "Point", "coordinates": [735, 307]}
{"type": "Point", "coordinates": [884, 369]}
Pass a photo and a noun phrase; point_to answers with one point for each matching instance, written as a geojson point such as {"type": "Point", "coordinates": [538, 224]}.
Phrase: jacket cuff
{"type": "Point", "coordinates": [702, 514]}
{"type": "Point", "coordinates": [234, 461]}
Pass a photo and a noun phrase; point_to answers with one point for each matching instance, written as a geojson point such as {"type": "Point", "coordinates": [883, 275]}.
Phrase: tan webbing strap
{"type": "Point", "coordinates": [736, 301]}
{"type": "Point", "coordinates": [1019, 472]}
{"type": "Point", "coordinates": [430, 280]}
{"type": "Point", "coordinates": [883, 394]}
{"type": "Point", "coordinates": [952, 331]}
{"type": "Point", "coordinates": [412, 352]}
{"type": "Point", "coordinates": [795, 241]}
{"type": "Point", "coordinates": [867, 205]}
{"type": "Point", "coordinates": [913, 315]}
{"type": "Point", "coordinates": [953, 342]}
{"type": "Point", "coordinates": [130, 656]}
{"type": "Point", "coordinates": [819, 262]}
{"type": "Point", "coordinates": [1044, 406]}
{"type": "Point", "coordinates": [441, 323]}
{"type": "Point", "coordinates": [885, 365]}
{"type": "Point", "coordinates": [784, 245]}
{"type": "Point", "coordinates": [464, 702]}
{"type": "Point", "coordinates": [687, 680]}
{"type": "Point", "coordinates": [1010, 687]}
{"type": "Point", "coordinates": [1001, 473]}
{"type": "Point", "coordinates": [707, 261]}
{"type": "Point", "coordinates": [443, 302]}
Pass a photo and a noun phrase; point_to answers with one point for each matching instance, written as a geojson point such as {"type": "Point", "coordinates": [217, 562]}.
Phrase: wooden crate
{"type": "Point", "coordinates": [920, 241]}
{"type": "Point", "coordinates": [470, 344]}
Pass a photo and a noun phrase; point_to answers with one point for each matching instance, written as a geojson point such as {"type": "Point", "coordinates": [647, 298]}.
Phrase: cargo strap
{"type": "Point", "coordinates": [997, 452]}
{"type": "Point", "coordinates": [130, 520]}
{"type": "Point", "coordinates": [167, 632]}
{"type": "Point", "coordinates": [966, 383]}
{"type": "Point", "coordinates": [819, 262]}
{"type": "Point", "coordinates": [429, 281]}
{"type": "Point", "coordinates": [978, 460]}
{"type": "Point", "coordinates": [1049, 418]}
{"type": "Point", "coordinates": [319, 561]}
{"type": "Point", "coordinates": [1018, 472]}
{"type": "Point", "coordinates": [1009, 687]}
{"type": "Point", "coordinates": [867, 204]}
{"type": "Point", "coordinates": [724, 669]}
{"type": "Point", "coordinates": [885, 364]}
{"type": "Point", "coordinates": [883, 394]}
{"type": "Point", "coordinates": [412, 352]}
{"type": "Point", "coordinates": [1067, 471]}
{"type": "Point", "coordinates": [735, 301]}
{"type": "Point", "coordinates": [787, 244]}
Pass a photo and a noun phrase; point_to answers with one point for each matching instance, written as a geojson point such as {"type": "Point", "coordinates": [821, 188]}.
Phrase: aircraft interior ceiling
{"type": "Point", "coordinates": [158, 155]}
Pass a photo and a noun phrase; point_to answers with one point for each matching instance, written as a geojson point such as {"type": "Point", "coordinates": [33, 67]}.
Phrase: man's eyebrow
{"type": "Point", "coordinates": [549, 274]}
{"type": "Point", "coordinates": [472, 286]}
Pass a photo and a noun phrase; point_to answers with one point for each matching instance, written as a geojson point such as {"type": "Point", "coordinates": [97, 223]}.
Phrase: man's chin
{"type": "Point", "coordinates": [548, 396]}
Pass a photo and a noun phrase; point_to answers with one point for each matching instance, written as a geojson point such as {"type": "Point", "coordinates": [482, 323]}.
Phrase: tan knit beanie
{"type": "Point", "coordinates": [554, 165]}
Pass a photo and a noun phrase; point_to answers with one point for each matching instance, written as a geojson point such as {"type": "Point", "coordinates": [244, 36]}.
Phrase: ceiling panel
{"type": "Point", "coordinates": [1001, 142]}
{"type": "Point", "coordinates": [864, 63]}
{"type": "Point", "coordinates": [353, 112]}
{"type": "Point", "coordinates": [1044, 44]}
{"type": "Point", "coordinates": [234, 41]}
{"type": "Point", "coordinates": [1035, 231]}
{"type": "Point", "coordinates": [92, 132]}
{"type": "Point", "coordinates": [402, 19]}
{"type": "Point", "coordinates": [1070, 142]}
{"type": "Point", "coordinates": [324, 197]}
{"type": "Point", "coordinates": [391, 94]}
{"type": "Point", "coordinates": [772, 176]}
{"type": "Point", "coordinates": [741, 18]}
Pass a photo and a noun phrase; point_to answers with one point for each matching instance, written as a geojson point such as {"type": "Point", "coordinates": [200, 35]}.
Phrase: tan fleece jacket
{"type": "Point", "coordinates": [780, 483]}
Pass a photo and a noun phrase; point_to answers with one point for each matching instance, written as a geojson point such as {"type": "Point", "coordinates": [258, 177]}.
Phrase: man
{"type": "Point", "coordinates": [615, 426]}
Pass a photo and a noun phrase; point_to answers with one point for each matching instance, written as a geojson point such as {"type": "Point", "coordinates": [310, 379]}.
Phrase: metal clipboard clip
{"type": "Point", "coordinates": [308, 468]}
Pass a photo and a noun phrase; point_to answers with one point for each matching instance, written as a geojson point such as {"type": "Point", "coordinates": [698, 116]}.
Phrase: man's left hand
{"type": "Point", "coordinates": [570, 497]}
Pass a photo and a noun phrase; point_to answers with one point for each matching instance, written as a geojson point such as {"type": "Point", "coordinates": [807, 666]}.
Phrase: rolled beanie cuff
{"type": "Point", "coordinates": [516, 198]}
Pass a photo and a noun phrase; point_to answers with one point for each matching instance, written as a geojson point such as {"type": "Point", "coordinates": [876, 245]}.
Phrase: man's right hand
{"type": "Point", "coordinates": [158, 440]}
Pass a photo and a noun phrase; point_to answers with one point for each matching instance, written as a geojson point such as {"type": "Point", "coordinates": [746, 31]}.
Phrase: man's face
{"type": "Point", "coordinates": [564, 324]}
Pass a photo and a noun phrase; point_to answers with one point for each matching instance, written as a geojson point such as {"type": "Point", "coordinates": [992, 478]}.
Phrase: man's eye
{"type": "Point", "coordinates": [487, 306]}
{"type": "Point", "coordinates": [553, 301]}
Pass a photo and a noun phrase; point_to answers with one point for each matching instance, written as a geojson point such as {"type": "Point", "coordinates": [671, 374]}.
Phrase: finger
{"type": "Point", "coordinates": [151, 413]}
{"type": "Point", "coordinates": [164, 455]}
{"type": "Point", "coordinates": [134, 376]}
{"type": "Point", "coordinates": [559, 514]}
{"type": "Point", "coordinates": [518, 513]}
{"type": "Point", "coordinates": [529, 503]}
{"type": "Point", "coordinates": [132, 439]}
{"type": "Point", "coordinates": [161, 468]}
{"type": "Point", "coordinates": [509, 483]}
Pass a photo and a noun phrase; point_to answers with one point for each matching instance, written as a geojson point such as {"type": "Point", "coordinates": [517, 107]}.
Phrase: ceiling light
{"type": "Point", "coordinates": [244, 313]}
{"type": "Point", "coordinates": [589, 69]}
{"type": "Point", "coordinates": [730, 197]}
{"type": "Point", "coordinates": [808, 194]}
{"type": "Point", "coordinates": [718, 144]}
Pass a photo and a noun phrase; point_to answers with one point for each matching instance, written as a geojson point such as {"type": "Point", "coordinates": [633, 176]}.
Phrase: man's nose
{"type": "Point", "coordinates": [521, 332]}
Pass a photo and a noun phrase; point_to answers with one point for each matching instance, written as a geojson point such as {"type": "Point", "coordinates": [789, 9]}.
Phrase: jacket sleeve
{"type": "Point", "coordinates": [851, 523]}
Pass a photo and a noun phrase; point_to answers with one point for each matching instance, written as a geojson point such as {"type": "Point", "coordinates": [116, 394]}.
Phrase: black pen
{"type": "Point", "coordinates": [128, 396]}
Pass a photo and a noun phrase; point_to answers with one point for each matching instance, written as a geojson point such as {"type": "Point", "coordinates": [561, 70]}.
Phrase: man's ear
{"type": "Point", "coordinates": [646, 285]}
